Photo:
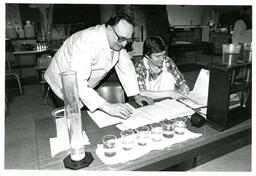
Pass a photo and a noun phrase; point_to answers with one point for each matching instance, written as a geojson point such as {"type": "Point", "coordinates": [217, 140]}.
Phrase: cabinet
{"type": "Point", "coordinates": [224, 82]}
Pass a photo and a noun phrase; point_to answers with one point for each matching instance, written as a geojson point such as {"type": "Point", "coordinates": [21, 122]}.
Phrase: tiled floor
{"type": "Point", "coordinates": [20, 142]}
{"type": "Point", "coordinates": [23, 110]}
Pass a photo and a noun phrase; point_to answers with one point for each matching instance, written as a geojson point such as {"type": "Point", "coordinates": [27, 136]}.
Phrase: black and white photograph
{"type": "Point", "coordinates": [127, 86]}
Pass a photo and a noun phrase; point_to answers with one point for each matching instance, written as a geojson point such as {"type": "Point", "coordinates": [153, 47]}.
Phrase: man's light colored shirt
{"type": "Point", "coordinates": [88, 53]}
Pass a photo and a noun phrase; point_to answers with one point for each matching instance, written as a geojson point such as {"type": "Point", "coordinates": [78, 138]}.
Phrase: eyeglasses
{"type": "Point", "coordinates": [122, 39]}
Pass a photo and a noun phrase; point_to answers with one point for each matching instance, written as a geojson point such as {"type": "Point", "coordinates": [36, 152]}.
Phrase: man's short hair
{"type": "Point", "coordinates": [115, 19]}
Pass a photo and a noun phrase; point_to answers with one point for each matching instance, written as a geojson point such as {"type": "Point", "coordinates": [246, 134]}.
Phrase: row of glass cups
{"type": "Point", "coordinates": [143, 134]}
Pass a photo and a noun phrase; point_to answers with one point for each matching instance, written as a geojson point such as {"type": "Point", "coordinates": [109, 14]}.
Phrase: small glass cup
{"type": "Point", "coordinates": [180, 125]}
{"type": "Point", "coordinates": [127, 139]}
{"type": "Point", "coordinates": [143, 135]}
{"type": "Point", "coordinates": [156, 132]}
{"type": "Point", "coordinates": [109, 145]}
{"type": "Point", "coordinates": [168, 128]}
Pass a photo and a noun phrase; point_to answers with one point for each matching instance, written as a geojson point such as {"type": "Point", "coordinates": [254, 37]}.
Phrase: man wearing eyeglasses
{"type": "Point", "coordinates": [92, 53]}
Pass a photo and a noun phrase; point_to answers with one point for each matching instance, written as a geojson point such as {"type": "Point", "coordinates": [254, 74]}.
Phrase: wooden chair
{"type": "Point", "coordinates": [112, 92]}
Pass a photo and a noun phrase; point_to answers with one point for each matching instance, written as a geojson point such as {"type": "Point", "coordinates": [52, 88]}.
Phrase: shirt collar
{"type": "Point", "coordinates": [104, 39]}
{"type": "Point", "coordinates": [105, 45]}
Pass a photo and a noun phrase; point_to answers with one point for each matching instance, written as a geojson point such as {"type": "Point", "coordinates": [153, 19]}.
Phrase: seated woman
{"type": "Point", "coordinates": [157, 74]}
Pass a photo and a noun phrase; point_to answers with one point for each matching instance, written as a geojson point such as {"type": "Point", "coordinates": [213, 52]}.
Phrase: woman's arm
{"type": "Point", "coordinates": [178, 76]}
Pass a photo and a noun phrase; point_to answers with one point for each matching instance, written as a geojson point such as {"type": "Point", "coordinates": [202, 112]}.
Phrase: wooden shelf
{"type": "Point", "coordinates": [223, 67]}
{"type": "Point", "coordinates": [223, 82]}
{"type": "Point", "coordinates": [239, 86]}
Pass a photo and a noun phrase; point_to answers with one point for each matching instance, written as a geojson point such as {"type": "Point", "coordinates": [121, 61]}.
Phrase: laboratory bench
{"type": "Point", "coordinates": [153, 161]}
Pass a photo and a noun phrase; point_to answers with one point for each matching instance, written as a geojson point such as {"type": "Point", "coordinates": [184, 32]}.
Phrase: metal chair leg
{"type": "Point", "coordinates": [46, 96]}
{"type": "Point", "coordinates": [20, 87]}
{"type": "Point", "coordinates": [18, 79]}
{"type": "Point", "coordinates": [43, 91]}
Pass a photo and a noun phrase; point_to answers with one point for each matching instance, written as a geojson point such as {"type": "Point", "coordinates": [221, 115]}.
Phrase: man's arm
{"type": "Point", "coordinates": [82, 55]}
{"type": "Point", "coordinates": [127, 75]}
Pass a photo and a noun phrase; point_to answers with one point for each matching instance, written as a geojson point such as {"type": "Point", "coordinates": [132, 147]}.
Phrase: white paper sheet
{"type": "Point", "coordinates": [202, 83]}
{"type": "Point", "coordinates": [203, 112]}
{"type": "Point", "coordinates": [61, 142]}
{"type": "Point", "coordinates": [190, 103]}
{"type": "Point", "coordinates": [103, 119]}
{"type": "Point", "coordinates": [199, 94]}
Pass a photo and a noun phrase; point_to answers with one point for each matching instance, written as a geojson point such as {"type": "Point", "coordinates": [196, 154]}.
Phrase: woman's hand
{"type": "Point", "coordinates": [139, 99]}
{"type": "Point", "coordinates": [185, 89]}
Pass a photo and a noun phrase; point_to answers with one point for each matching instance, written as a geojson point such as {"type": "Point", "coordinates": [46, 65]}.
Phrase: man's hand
{"type": "Point", "coordinates": [118, 109]}
{"type": "Point", "coordinates": [139, 99]}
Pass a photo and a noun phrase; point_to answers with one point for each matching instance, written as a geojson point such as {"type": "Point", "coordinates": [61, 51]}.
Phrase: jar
{"type": "Point", "coordinates": [11, 31]}
{"type": "Point", "coordinates": [29, 30]}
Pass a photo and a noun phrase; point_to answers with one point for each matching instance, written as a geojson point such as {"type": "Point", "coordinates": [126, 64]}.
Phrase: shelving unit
{"type": "Point", "coordinates": [225, 81]}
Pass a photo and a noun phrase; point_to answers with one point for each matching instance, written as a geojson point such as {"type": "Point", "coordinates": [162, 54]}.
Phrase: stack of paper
{"type": "Point", "coordinates": [234, 101]}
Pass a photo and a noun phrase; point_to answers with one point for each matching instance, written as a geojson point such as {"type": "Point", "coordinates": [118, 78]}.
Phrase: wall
{"type": "Point", "coordinates": [185, 15]}
{"type": "Point", "coordinates": [135, 11]}
{"type": "Point", "coordinates": [106, 11]}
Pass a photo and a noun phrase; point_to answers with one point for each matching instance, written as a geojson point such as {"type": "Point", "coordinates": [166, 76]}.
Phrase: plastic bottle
{"type": "Point", "coordinates": [29, 30]}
